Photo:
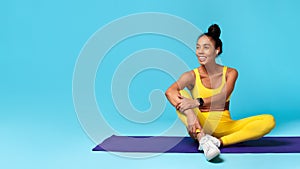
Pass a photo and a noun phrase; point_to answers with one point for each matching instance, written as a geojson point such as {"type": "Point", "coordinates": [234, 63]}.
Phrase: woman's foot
{"type": "Point", "coordinates": [209, 148]}
{"type": "Point", "coordinates": [214, 140]}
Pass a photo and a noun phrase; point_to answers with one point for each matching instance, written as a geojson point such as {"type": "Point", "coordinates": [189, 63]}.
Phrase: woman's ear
{"type": "Point", "coordinates": [217, 50]}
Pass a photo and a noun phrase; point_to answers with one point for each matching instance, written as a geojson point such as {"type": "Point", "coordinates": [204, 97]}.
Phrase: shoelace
{"type": "Point", "coordinates": [207, 145]}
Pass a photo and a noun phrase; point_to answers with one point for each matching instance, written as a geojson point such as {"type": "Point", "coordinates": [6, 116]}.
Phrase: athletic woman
{"type": "Point", "coordinates": [205, 112]}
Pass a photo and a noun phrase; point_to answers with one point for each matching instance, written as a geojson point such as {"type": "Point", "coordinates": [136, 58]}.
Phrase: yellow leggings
{"type": "Point", "coordinates": [220, 125]}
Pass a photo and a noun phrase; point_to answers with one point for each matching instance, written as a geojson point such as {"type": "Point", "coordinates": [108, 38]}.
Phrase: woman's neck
{"type": "Point", "coordinates": [212, 68]}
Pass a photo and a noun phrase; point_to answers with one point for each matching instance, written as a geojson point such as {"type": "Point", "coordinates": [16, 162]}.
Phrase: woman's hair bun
{"type": "Point", "coordinates": [214, 30]}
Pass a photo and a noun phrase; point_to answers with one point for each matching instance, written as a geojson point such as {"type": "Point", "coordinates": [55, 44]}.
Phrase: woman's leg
{"type": "Point", "coordinates": [220, 125]}
{"type": "Point", "coordinates": [250, 128]}
{"type": "Point", "coordinates": [209, 121]}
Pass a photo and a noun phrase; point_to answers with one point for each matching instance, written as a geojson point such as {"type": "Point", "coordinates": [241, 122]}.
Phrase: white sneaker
{"type": "Point", "coordinates": [210, 150]}
{"type": "Point", "coordinates": [213, 139]}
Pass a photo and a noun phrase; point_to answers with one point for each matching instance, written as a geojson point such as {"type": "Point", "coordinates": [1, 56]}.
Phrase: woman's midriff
{"type": "Point", "coordinates": [210, 108]}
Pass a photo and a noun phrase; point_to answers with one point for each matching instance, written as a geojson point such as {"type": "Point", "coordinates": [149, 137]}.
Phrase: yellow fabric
{"type": "Point", "coordinates": [200, 90]}
{"type": "Point", "coordinates": [220, 124]}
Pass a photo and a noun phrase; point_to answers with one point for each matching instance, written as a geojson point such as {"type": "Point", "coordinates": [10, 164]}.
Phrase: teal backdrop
{"type": "Point", "coordinates": [40, 42]}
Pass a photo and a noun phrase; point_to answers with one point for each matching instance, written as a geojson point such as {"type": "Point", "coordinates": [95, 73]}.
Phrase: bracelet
{"type": "Point", "coordinates": [201, 101]}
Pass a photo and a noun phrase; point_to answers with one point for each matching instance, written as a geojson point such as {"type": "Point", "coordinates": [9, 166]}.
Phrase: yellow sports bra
{"type": "Point", "coordinates": [200, 90]}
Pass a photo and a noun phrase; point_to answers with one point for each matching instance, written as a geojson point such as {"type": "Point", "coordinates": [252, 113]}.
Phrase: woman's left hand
{"type": "Point", "coordinates": [186, 103]}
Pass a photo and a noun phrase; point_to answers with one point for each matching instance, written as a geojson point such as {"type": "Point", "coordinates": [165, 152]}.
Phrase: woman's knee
{"type": "Point", "coordinates": [269, 121]}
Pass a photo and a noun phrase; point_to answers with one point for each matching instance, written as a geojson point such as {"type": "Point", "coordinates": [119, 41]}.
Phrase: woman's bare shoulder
{"type": "Point", "coordinates": [187, 79]}
{"type": "Point", "coordinates": [188, 76]}
{"type": "Point", "coordinates": [231, 72]}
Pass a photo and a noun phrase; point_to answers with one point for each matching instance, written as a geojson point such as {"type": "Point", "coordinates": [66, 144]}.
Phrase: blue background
{"type": "Point", "coordinates": [41, 40]}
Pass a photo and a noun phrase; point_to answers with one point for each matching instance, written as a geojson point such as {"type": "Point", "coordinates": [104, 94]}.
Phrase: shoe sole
{"type": "Point", "coordinates": [214, 156]}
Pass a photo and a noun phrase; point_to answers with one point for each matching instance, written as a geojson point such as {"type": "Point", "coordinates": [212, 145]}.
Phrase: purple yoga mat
{"type": "Point", "coordinates": [188, 145]}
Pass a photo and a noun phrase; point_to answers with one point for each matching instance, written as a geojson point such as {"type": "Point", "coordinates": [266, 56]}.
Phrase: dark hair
{"type": "Point", "coordinates": [214, 32]}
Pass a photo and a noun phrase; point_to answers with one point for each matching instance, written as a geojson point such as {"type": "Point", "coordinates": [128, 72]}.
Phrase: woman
{"type": "Point", "coordinates": [205, 112]}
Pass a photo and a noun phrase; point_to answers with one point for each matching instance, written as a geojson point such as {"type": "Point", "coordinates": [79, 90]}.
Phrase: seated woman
{"type": "Point", "coordinates": [205, 112]}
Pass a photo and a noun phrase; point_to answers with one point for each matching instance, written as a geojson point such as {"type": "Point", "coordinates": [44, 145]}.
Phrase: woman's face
{"type": "Point", "coordinates": [205, 50]}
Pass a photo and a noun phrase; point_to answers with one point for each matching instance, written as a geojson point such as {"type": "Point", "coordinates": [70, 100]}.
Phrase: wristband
{"type": "Point", "coordinates": [201, 102]}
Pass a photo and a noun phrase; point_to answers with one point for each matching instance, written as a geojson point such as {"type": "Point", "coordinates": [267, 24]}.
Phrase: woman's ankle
{"type": "Point", "coordinates": [200, 135]}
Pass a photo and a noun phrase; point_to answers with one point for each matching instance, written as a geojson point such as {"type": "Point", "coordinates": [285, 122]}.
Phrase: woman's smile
{"type": "Point", "coordinates": [202, 58]}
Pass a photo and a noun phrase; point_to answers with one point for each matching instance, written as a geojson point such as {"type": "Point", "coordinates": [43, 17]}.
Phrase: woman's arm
{"type": "Point", "coordinates": [175, 98]}
{"type": "Point", "coordinates": [186, 80]}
